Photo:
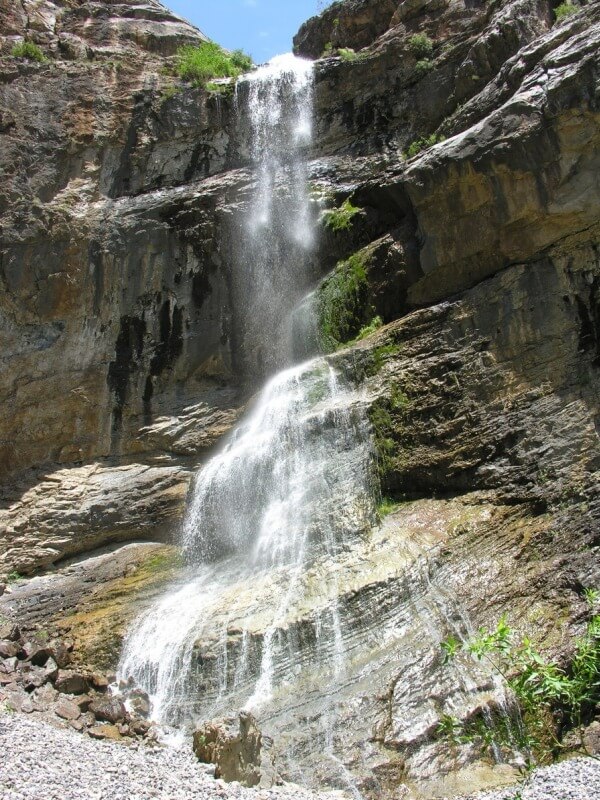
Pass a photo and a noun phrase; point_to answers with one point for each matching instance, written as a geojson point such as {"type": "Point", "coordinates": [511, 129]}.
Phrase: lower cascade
{"type": "Point", "coordinates": [256, 611]}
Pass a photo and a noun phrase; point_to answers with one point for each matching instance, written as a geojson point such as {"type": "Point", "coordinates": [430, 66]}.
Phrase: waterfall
{"type": "Point", "coordinates": [273, 238]}
{"type": "Point", "coordinates": [255, 617]}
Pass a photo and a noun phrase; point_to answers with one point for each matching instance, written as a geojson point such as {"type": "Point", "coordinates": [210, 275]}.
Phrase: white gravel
{"type": "Point", "coordinates": [41, 762]}
{"type": "Point", "coordinates": [577, 779]}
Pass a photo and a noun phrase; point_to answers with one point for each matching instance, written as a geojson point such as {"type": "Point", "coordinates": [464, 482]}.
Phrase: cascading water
{"type": "Point", "coordinates": [256, 618]}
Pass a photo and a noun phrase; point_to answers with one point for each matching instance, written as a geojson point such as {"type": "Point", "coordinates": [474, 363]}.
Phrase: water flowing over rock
{"type": "Point", "coordinates": [285, 497]}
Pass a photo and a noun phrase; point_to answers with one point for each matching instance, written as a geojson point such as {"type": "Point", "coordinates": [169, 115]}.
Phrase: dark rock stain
{"type": "Point", "coordinates": [129, 348]}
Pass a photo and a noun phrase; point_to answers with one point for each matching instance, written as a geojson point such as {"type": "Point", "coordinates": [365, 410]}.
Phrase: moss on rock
{"type": "Point", "coordinates": [344, 306]}
{"type": "Point", "coordinates": [98, 624]}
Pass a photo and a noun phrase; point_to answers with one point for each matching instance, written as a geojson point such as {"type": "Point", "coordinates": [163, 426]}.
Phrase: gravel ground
{"type": "Point", "coordinates": [41, 762]}
{"type": "Point", "coordinates": [577, 779]}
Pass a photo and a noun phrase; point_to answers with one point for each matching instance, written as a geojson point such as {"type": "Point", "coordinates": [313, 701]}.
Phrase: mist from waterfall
{"type": "Point", "coordinates": [257, 614]}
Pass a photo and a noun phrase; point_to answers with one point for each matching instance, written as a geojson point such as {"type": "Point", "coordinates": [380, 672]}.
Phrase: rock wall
{"type": "Point", "coordinates": [115, 314]}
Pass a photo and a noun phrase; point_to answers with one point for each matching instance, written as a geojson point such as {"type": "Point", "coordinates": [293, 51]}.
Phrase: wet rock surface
{"type": "Point", "coordinates": [88, 602]}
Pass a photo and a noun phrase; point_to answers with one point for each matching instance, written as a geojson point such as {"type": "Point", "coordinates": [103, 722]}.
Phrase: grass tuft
{"type": "Point", "coordinates": [565, 10]}
{"type": "Point", "coordinates": [420, 45]}
{"type": "Point", "coordinates": [209, 60]}
{"type": "Point", "coordinates": [28, 50]}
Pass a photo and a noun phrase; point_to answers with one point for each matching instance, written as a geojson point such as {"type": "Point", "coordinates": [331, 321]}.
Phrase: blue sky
{"type": "Point", "coordinates": [263, 28]}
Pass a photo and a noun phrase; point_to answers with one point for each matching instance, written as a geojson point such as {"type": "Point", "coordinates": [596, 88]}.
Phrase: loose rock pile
{"type": "Point", "coordinates": [38, 762]}
{"type": "Point", "coordinates": [577, 779]}
{"type": "Point", "coordinates": [37, 677]}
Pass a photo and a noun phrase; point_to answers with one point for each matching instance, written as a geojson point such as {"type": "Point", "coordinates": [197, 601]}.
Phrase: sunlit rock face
{"type": "Point", "coordinates": [129, 349]}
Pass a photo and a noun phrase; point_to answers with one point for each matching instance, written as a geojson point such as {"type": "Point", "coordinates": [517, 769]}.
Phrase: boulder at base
{"type": "Point", "coordinates": [233, 745]}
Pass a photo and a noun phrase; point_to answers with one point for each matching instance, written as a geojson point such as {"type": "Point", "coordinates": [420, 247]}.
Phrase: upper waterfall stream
{"type": "Point", "coordinates": [255, 620]}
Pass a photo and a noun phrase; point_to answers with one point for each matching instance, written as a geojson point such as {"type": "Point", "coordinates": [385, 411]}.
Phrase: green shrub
{"type": "Point", "coordinates": [340, 219]}
{"type": "Point", "coordinates": [420, 45]}
{"type": "Point", "coordinates": [565, 10]}
{"type": "Point", "coordinates": [386, 506]}
{"type": "Point", "coordinates": [422, 144]}
{"type": "Point", "coordinates": [168, 92]}
{"type": "Point", "coordinates": [14, 576]}
{"type": "Point", "coordinates": [28, 50]}
{"type": "Point", "coordinates": [242, 61]}
{"type": "Point", "coordinates": [422, 67]}
{"type": "Point", "coordinates": [348, 54]}
{"type": "Point", "coordinates": [380, 355]}
{"type": "Point", "coordinates": [208, 60]}
{"type": "Point", "coordinates": [220, 88]}
{"type": "Point", "coordinates": [550, 698]}
{"type": "Point", "coordinates": [367, 330]}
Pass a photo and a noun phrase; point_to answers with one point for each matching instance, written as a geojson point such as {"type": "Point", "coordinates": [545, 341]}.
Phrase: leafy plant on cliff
{"type": "Point", "coordinates": [423, 144]}
{"type": "Point", "coordinates": [209, 60]}
{"type": "Point", "coordinates": [565, 10]}
{"type": "Point", "coordinates": [340, 219]}
{"type": "Point", "coordinates": [550, 698]}
{"type": "Point", "coordinates": [367, 330]}
{"type": "Point", "coordinates": [380, 355]}
{"type": "Point", "coordinates": [422, 67]}
{"type": "Point", "coordinates": [348, 54]}
{"type": "Point", "coordinates": [28, 50]}
{"type": "Point", "coordinates": [391, 433]}
{"type": "Point", "coordinates": [420, 45]}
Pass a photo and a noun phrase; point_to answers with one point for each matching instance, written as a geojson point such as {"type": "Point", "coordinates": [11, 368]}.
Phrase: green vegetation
{"type": "Point", "coordinates": [163, 562]}
{"type": "Point", "coordinates": [348, 54]}
{"type": "Point", "coordinates": [391, 435]}
{"type": "Point", "coordinates": [340, 219]}
{"type": "Point", "coordinates": [422, 67]}
{"type": "Point", "coordinates": [380, 355]}
{"type": "Point", "coordinates": [565, 10]}
{"type": "Point", "coordinates": [13, 577]}
{"type": "Point", "coordinates": [387, 506]}
{"type": "Point", "coordinates": [550, 698]}
{"type": "Point", "coordinates": [168, 92]}
{"type": "Point", "coordinates": [420, 45]}
{"type": "Point", "coordinates": [423, 144]}
{"type": "Point", "coordinates": [28, 50]}
{"type": "Point", "coordinates": [367, 330]}
{"type": "Point", "coordinates": [220, 88]}
{"type": "Point", "coordinates": [208, 60]}
{"type": "Point", "coordinates": [343, 302]}
{"type": "Point", "coordinates": [385, 445]}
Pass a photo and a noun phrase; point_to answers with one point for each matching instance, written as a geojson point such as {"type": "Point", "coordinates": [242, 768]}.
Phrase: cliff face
{"type": "Point", "coordinates": [126, 351]}
{"type": "Point", "coordinates": [115, 309]}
